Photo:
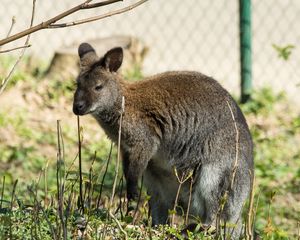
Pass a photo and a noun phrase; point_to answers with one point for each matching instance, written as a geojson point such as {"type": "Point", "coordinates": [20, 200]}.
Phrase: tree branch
{"type": "Point", "coordinates": [13, 21]}
{"type": "Point", "coordinates": [91, 19]}
{"type": "Point", "coordinates": [16, 48]}
{"type": "Point", "coordinates": [43, 25]}
{"type": "Point", "coordinates": [5, 81]}
{"type": "Point", "coordinates": [51, 22]}
{"type": "Point", "coordinates": [100, 4]}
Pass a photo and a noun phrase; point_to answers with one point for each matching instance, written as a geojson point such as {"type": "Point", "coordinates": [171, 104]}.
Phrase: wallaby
{"type": "Point", "coordinates": [175, 120]}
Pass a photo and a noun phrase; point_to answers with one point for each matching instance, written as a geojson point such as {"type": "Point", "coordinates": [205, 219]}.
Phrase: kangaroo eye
{"type": "Point", "coordinates": [98, 88]}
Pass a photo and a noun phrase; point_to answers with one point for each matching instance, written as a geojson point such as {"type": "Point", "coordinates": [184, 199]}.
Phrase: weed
{"type": "Point", "coordinates": [44, 206]}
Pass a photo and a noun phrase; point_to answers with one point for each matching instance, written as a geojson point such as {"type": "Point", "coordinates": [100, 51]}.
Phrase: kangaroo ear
{"type": "Point", "coordinates": [113, 59]}
{"type": "Point", "coordinates": [87, 56]}
{"type": "Point", "coordinates": [85, 48]}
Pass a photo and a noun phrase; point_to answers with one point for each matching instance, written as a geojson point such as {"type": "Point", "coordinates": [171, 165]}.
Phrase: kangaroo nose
{"type": "Point", "coordinates": [78, 108]}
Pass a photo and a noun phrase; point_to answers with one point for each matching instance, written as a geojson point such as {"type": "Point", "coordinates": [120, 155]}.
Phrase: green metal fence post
{"type": "Point", "coordinates": [245, 49]}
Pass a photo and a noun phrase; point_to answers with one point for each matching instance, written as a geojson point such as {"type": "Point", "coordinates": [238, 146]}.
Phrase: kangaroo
{"type": "Point", "coordinates": [175, 120]}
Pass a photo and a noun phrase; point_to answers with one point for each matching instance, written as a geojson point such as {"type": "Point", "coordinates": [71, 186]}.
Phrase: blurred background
{"type": "Point", "coordinates": [158, 36]}
{"type": "Point", "coordinates": [190, 35]}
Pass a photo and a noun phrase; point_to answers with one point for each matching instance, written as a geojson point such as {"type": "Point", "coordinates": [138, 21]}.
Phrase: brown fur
{"type": "Point", "coordinates": [173, 119]}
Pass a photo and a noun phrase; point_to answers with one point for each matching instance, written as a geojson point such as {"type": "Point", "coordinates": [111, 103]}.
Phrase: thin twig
{"type": "Point", "coordinates": [118, 224]}
{"type": "Point", "coordinates": [58, 160]}
{"type": "Point", "coordinates": [138, 201]}
{"type": "Point", "coordinates": [61, 179]}
{"type": "Point", "coordinates": [5, 81]}
{"type": "Point", "coordinates": [13, 21]}
{"type": "Point", "coordinates": [13, 194]}
{"type": "Point", "coordinates": [249, 224]}
{"type": "Point", "coordinates": [2, 191]}
{"type": "Point", "coordinates": [101, 4]}
{"type": "Point", "coordinates": [104, 175]}
{"type": "Point", "coordinates": [11, 207]}
{"type": "Point", "coordinates": [91, 184]}
{"type": "Point", "coordinates": [51, 24]}
{"type": "Point", "coordinates": [255, 212]}
{"type": "Point", "coordinates": [52, 21]}
{"type": "Point", "coordinates": [44, 213]}
{"type": "Point", "coordinates": [120, 188]}
{"type": "Point", "coordinates": [118, 153]}
{"type": "Point", "coordinates": [71, 165]}
{"type": "Point", "coordinates": [43, 25]}
{"type": "Point", "coordinates": [181, 180]}
{"type": "Point", "coordinates": [95, 18]}
{"type": "Point", "coordinates": [80, 165]}
{"type": "Point", "coordinates": [224, 198]}
{"type": "Point", "coordinates": [236, 147]}
{"type": "Point", "coordinates": [16, 48]}
{"type": "Point", "coordinates": [46, 184]}
{"type": "Point", "coordinates": [189, 201]}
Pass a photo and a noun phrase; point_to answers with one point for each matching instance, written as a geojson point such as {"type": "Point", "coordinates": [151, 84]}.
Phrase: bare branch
{"type": "Point", "coordinates": [100, 4]}
{"type": "Point", "coordinates": [43, 25]}
{"type": "Point", "coordinates": [13, 21]}
{"type": "Point", "coordinates": [51, 22]}
{"type": "Point", "coordinates": [5, 81]}
{"type": "Point", "coordinates": [16, 48]}
{"type": "Point", "coordinates": [92, 19]}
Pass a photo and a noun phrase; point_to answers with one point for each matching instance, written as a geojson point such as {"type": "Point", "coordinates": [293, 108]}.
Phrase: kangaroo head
{"type": "Point", "coordinates": [97, 84]}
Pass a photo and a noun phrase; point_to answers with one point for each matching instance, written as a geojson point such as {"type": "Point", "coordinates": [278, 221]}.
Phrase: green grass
{"type": "Point", "coordinates": [276, 133]}
{"type": "Point", "coordinates": [28, 159]}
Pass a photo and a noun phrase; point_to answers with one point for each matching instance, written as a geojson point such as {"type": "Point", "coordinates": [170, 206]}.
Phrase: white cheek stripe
{"type": "Point", "coordinates": [93, 108]}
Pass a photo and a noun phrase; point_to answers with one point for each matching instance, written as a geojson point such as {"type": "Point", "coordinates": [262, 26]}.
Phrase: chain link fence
{"type": "Point", "coordinates": [182, 35]}
{"type": "Point", "coordinates": [276, 23]}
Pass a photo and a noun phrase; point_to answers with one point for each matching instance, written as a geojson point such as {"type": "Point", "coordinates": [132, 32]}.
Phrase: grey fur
{"type": "Point", "coordinates": [172, 120]}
